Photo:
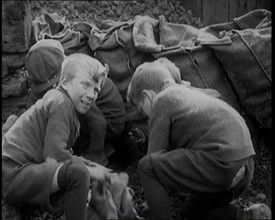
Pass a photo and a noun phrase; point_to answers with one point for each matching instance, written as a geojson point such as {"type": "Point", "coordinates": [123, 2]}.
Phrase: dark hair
{"type": "Point", "coordinates": [149, 76]}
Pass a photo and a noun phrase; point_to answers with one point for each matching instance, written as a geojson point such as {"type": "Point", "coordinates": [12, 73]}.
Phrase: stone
{"type": "Point", "coordinates": [12, 62]}
{"type": "Point", "coordinates": [14, 87]}
{"type": "Point", "coordinates": [16, 26]}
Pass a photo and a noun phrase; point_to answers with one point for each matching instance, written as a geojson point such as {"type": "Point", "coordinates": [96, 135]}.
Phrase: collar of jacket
{"type": "Point", "coordinates": [61, 89]}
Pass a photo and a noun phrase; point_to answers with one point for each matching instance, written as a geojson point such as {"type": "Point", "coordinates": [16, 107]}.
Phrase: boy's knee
{"type": "Point", "coordinates": [79, 170]}
{"type": "Point", "coordinates": [144, 164]}
{"type": "Point", "coordinates": [74, 171]}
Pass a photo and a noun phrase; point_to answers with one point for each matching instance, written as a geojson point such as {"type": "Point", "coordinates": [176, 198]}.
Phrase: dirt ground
{"type": "Point", "coordinates": [260, 188]}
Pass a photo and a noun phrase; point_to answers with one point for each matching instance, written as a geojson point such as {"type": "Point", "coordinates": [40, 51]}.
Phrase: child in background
{"type": "Point", "coordinates": [101, 125]}
{"type": "Point", "coordinates": [197, 144]}
{"type": "Point", "coordinates": [38, 167]}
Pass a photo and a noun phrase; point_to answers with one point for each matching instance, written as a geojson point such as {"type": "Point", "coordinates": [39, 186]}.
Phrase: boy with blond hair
{"type": "Point", "coordinates": [38, 167]}
{"type": "Point", "coordinates": [103, 123]}
{"type": "Point", "coordinates": [197, 144]}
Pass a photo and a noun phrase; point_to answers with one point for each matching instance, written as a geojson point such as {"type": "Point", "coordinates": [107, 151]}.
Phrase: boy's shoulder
{"type": "Point", "coordinates": [57, 97]}
{"type": "Point", "coordinates": [54, 95]}
{"type": "Point", "coordinates": [167, 95]}
{"type": "Point", "coordinates": [175, 94]}
{"type": "Point", "coordinates": [170, 91]}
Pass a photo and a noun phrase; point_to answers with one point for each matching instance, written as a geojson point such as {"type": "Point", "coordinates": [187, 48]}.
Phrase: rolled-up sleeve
{"type": "Point", "coordinates": [159, 128]}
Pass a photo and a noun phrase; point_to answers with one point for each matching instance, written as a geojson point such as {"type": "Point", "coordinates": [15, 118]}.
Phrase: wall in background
{"type": "Point", "coordinates": [218, 11]}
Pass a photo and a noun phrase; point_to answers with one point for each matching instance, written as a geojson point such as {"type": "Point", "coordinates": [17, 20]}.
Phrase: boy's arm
{"type": "Point", "coordinates": [58, 130]}
{"type": "Point", "coordinates": [159, 128]}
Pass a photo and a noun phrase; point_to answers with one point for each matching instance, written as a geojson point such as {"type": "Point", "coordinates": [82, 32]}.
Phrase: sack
{"type": "Point", "coordinates": [113, 201]}
{"type": "Point", "coordinates": [233, 58]}
{"type": "Point", "coordinates": [201, 55]}
{"type": "Point", "coordinates": [247, 61]}
{"type": "Point", "coordinates": [116, 48]}
{"type": "Point", "coordinates": [177, 42]}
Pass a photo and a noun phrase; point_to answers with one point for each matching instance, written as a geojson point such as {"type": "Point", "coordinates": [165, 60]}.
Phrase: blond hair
{"type": "Point", "coordinates": [148, 76]}
{"type": "Point", "coordinates": [79, 61]}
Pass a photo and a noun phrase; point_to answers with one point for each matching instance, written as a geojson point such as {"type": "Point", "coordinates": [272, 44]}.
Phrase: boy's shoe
{"type": "Point", "coordinates": [257, 211]}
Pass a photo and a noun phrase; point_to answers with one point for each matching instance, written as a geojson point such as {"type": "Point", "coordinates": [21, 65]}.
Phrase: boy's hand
{"type": "Point", "coordinates": [137, 136]}
{"type": "Point", "coordinates": [99, 173]}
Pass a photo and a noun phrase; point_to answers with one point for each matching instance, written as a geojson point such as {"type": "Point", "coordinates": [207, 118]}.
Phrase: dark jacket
{"type": "Point", "coordinates": [47, 129]}
{"type": "Point", "coordinates": [185, 118]}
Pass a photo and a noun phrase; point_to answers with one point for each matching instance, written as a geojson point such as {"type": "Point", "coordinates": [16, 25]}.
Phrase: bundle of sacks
{"type": "Point", "coordinates": [111, 200]}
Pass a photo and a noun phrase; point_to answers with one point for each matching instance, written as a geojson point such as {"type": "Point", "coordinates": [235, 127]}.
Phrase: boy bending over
{"type": "Point", "coordinates": [197, 144]}
{"type": "Point", "coordinates": [37, 161]}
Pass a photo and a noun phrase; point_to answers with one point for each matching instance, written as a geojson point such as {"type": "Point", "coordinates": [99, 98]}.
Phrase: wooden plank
{"type": "Point", "coordinates": [215, 11]}
{"type": "Point", "coordinates": [197, 8]}
{"type": "Point", "coordinates": [13, 105]}
{"type": "Point", "coordinates": [16, 26]}
{"type": "Point", "coordinates": [265, 4]}
{"type": "Point", "coordinates": [14, 85]}
{"type": "Point", "coordinates": [12, 62]}
{"type": "Point", "coordinates": [19, 102]}
{"type": "Point", "coordinates": [14, 88]}
{"type": "Point", "coordinates": [240, 7]}
{"type": "Point", "coordinates": [194, 5]}
{"type": "Point", "coordinates": [268, 5]}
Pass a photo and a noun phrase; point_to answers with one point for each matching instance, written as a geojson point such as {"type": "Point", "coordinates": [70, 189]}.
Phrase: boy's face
{"type": "Point", "coordinates": [83, 90]}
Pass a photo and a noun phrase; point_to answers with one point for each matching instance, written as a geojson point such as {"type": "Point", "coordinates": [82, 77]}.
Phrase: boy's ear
{"type": "Point", "coordinates": [63, 82]}
{"type": "Point", "coordinates": [106, 70]}
{"type": "Point", "coordinates": [147, 93]}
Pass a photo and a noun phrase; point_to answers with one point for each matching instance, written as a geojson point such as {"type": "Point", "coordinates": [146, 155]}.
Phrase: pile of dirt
{"type": "Point", "coordinates": [97, 11]}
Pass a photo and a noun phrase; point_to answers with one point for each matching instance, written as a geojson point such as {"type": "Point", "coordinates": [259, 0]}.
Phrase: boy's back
{"type": "Point", "coordinates": [198, 121]}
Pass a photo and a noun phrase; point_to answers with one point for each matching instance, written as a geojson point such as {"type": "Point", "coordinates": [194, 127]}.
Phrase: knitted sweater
{"type": "Point", "coordinates": [185, 118]}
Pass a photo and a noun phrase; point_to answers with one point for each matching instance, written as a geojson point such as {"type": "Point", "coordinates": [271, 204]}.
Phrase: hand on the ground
{"type": "Point", "coordinates": [137, 136]}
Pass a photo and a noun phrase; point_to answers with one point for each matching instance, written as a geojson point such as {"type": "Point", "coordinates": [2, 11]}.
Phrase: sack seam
{"type": "Point", "coordinates": [254, 55]}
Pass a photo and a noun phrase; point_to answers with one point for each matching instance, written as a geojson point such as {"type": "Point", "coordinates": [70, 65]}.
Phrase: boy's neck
{"type": "Point", "coordinates": [167, 84]}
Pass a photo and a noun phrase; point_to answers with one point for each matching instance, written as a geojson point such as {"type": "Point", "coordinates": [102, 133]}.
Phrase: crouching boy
{"type": "Point", "coordinates": [37, 160]}
{"type": "Point", "coordinates": [197, 144]}
{"type": "Point", "coordinates": [102, 125]}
